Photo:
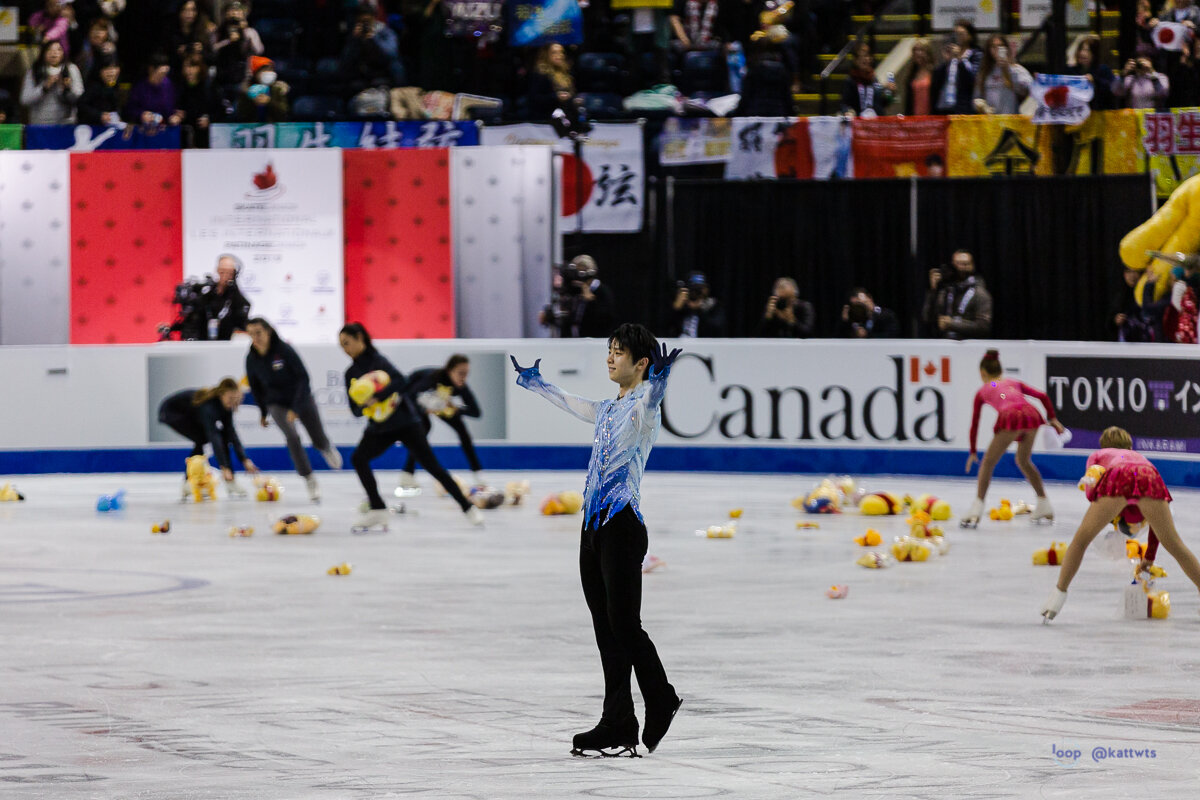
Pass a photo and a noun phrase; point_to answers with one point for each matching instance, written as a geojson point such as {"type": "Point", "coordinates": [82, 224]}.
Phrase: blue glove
{"type": "Point", "coordinates": [662, 361]}
{"type": "Point", "coordinates": [526, 370]}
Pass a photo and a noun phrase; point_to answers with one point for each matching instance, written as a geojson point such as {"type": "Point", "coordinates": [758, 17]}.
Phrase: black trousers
{"type": "Point", "coordinates": [464, 438]}
{"type": "Point", "coordinates": [376, 443]}
{"type": "Point", "coordinates": [188, 429]}
{"type": "Point", "coordinates": [610, 567]}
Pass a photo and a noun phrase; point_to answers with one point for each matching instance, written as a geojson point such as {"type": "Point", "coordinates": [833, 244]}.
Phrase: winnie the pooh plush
{"type": "Point", "coordinates": [202, 479]}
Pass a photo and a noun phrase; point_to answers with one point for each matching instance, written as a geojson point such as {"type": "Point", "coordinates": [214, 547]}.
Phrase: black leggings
{"type": "Point", "coordinates": [188, 429]}
{"type": "Point", "coordinates": [610, 567]}
{"type": "Point", "coordinates": [464, 438]}
{"type": "Point", "coordinates": [375, 443]}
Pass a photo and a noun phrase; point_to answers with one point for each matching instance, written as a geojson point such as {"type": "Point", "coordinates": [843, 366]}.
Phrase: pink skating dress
{"type": "Point", "coordinates": [1014, 412]}
{"type": "Point", "coordinates": [1126, 474]}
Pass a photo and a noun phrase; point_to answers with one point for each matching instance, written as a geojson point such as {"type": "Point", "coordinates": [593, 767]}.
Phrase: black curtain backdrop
{"type": "Point", "coordinates": [1047, 247]}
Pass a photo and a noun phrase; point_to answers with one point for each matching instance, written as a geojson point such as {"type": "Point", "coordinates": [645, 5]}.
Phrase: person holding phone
{"type": "Point", "coordinates": [1002, 84]}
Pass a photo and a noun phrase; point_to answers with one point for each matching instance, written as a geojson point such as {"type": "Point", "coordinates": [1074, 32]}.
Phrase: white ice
{"type": "Point", "coordinates": [457, 663]}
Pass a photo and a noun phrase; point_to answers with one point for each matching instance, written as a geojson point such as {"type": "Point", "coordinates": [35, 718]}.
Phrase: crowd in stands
{"type": "Point", "coordinates": [195, 62]}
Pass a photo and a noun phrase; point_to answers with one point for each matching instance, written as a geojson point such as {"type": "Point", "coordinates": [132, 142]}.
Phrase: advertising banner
{"type": "Point", "coordinates": [983, 14]}
{"type": "Point", "coordinates": [1156, 399]}
{"type": "Point", "coordinates": [702, 140]}
{"type": "Point", "coordinates": [605, 192]}
{"type": "Point", "coordinates": [883, 149]}
{"type": "Point", "coordinates": [346, 135]}
{"type": "Point", "coordinates": [95, 137]}
{"type": "Point", "coordinates": [1034, 13]}
{"type": "Point", "coordinates": [11, 137]}
{"type": "Point", "coordinates": [540, 22]}
{"type": "Point", "coordinates": [280, 215]}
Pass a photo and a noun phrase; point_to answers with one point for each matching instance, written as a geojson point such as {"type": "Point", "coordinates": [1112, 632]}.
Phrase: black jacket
{"type": "Point", "coordinates": [211, 418]}
{"type": "Point", "coordinates": [595, 318]}
{"type": "Point", "coordinates": [97, 100]}
{"type": "Point", "coordinates": [231, 310]}
{"type": "Point", "coordinates": [405, 413]}
{"type": "Point", "coordinates": [964, 82]}
{"type": "Point", "coordinates": [277, 378]}
{"type": "Point", "coordinates": [776, 328]}
{"type": "Point", "coordinates": [434, 378]}
{"type": "Point", "coordinates": [882, 324]}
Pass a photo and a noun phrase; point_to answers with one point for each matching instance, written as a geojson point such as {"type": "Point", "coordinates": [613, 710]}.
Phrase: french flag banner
{"type": "Point", "coordinates": [1062, 99]}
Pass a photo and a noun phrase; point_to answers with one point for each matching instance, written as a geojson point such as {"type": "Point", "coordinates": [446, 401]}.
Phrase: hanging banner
{"type": "Point", "coordinates": [84, 138]}
{"type": "Point", "coordinates": [1107, 143]}
{"type": "Point", "coordinates": [11, 137]}
{"type": "Point", "coordinates": [984, 145]}
{"type": "Point", "coordinates": [280, 214]}
{"type": "Point", "coordinates": [540, 22]}
{"type": "Point", "coordinates": [695, 140]}
{"type": "Point", "coordinates": [1062, 99]}
{"type": "Point", "coordinates": [1171, 146]}
{"type": "Point", "coordinates": [1034, 13]}
{"type": "Point", "coordinates": [983, 14]}
{"type": "Point", "coordinates": [605, 193]}
{"type": "Point", "coordinates": [346, 135]}
{"type": "Point", "coordinates": [643, 3]}
{"type": "Point", "coordinates": [481, 20]}
{"type": "Point", "coordinates": [753, 141]}
{"type": "Point", "coordinates": [884, 149]}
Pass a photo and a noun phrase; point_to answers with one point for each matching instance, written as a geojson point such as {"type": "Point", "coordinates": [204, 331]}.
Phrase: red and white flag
{"type": "Point", "coordinates": [1171, 35]}
{"type": "Point", "coordinates": [923, 369]}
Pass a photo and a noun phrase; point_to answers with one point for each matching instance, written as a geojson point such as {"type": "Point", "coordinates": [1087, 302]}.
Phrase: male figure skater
{"type": "Point", "coordinates": [613, 541]}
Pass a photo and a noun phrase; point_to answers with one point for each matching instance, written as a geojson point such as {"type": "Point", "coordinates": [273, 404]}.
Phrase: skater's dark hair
{"type": "Point", "coordinates": [637, 340]}
{"type": "Point", "coordinates": [990, 365]}
{"type": "Point", "coordinates": [202, 396]}
{"type": "Point", "coordinates": [1115, 437]}
{"type": "Point", "coordinates": [355, 330]}
{"type": "Point", "coordinates": [454, 360]}
{"type": "Point", "coordinates": [271, 332]}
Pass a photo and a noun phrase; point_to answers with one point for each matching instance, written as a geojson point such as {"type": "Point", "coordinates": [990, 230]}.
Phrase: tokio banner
{"type": "Point", "coordinates": [280, 214]}
{"type": "Point", "coordinates": [1156, 399]}
{"type": "Point", "coordinates": [346, 135]}
{"type": "Point", "coordinates": [604, 192]}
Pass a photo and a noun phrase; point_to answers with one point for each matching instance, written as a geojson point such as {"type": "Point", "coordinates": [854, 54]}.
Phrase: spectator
{"type": "Point", "coordinates": [196, 103]}
{"type": "Point", "coordinates": [371, 56]}
{"type": "Point", "coordinates": [227, 311]}
{"type": "Point", "coordinates": [152, 99]}
{"type": "Point", "coordinates": [53, 24]}
{"type": "Point", "coordinates": [786, 315]}
{"type": "Point", "coordinates": [1184, 76]}
{"type": "Point", "coordinates": [918, 97]}
{"type": "Point", "coordinates": [557, 314]}
{"type": "Point", "coordinates": [957, 305]}
{"type": "Point", "coordinates": [266, 98]}
{"type": "Point", "coordinates": [1144, 29]}
{"type": "Point", "coordinates": [1001, 83]}
{"type": "Point", "coordinates": [236, 42]}
{"type": "Point", "coordinates": [953, 82]}
{"type": "Point", "coordinates": [968, 44]}
{"type": "Point", "coordinates": [100, 103]}
{"type": "Point", "coordinates": [1140, 85]}
{"type": "Point", "coordinates": [862, 95]}
{"type": "Point", "coordinates": [1089, 61]}
{"type": "Point", "coordinates": [192, 34]}
{"type": "Point", "coordinates": [766, 89]}
{"type": "Point", "coordinates": [696, 311]}
{"type": "Point", "coordinates": [99, 43]}
{"type": "Point", "coordinates": [550, 85]}
{"type": "Point", "coordinates": [695, 24]}
{"type": "Point", "coordinates": [862, 319]}
{"type": "Point", "coordinates": [1130, 322]}
{"type": "Point", "coordinates": [592, 311]}
{"type": "Point", "coordinates": [1184, 12]}
{"type": "Point", "coordinates": [52, 87]}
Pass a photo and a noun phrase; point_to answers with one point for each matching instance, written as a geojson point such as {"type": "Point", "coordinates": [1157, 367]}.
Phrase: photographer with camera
{"type": "Point", "coordinates": [862, 319]}
{"type": "Point", "coordinates": [227, 310]}
{"type": "Point", "coordinates": [786, 315]}
{"type": "Point", "coordinates": [588, 302]}
{"type": "Point", "coordinates": [958, 304]}
{"type": "Point", "coordinates": [695, 311]}
{"type": "Point", "coordinates": [1140, 85]}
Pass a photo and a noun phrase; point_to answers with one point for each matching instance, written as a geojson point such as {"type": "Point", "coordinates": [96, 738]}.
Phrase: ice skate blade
{"type": "Point", "coordinates": [967, 523]}
{"type": "Point", "coordinates": [1041, 520]}
{"type": "Point", "coordinates": [363, 530]}
{"type": "Point", "coordinates": [400, 491]}
{"type": "Point", "coordinates": [627, 751]}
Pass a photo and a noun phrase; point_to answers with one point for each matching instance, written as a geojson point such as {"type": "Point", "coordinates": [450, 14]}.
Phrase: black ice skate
{"type": "Point", "coordinates": [657, 724]}
{"type": "Point", "coordinates": [608, 740]}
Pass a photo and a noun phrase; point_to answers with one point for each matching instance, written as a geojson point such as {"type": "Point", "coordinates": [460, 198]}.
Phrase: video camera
{"type": "Point", "coordinates": [191, 321]}
{"type": "Point", "coordinates": [695, 284]}
{"type": "Point", "coordinates": [575, 273]}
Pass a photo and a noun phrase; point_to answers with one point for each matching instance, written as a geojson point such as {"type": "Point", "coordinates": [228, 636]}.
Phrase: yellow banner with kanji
{"type": "Point", "coordinates": [1001, 144]}
{"type": "Point", "coordinates": [1170, 146]}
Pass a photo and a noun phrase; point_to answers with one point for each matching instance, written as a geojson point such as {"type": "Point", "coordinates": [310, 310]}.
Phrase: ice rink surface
{"type": "Point", "coordinates": [457, 662]}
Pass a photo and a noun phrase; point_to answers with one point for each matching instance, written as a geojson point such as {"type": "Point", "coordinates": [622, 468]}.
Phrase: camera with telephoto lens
{"type": "Point", "coordinates": [189, 299]}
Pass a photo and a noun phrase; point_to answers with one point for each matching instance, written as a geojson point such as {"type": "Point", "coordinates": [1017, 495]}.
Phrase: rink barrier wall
{"type": "Point", "coordinates": [875, 407]}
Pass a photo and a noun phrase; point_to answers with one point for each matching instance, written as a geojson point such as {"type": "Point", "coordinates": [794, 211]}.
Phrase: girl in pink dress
{"type": "Point", "coordinates": [1017, 421]}
{"type": "Point", "coordinates": [1129, 479]}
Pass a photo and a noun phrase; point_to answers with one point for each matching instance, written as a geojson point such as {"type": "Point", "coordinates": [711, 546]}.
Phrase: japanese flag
{"type": "Point", "coordinates": [1170, 35]}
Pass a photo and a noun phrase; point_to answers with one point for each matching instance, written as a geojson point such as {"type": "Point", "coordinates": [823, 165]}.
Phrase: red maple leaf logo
{"type": "Point", "coordinates": [267, 178]}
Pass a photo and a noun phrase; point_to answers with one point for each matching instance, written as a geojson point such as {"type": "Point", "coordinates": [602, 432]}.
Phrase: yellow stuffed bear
{"type": "Point", "coordinates": [202, 479]}
{"type": "Point", "coordinates": [363, 389]}
{"type": "Point", "coordinates": [562, 503]}
{"type": "Point", "coordinates": [296, 524]}
{"type": "Point", "coordinates": [1174, 228]}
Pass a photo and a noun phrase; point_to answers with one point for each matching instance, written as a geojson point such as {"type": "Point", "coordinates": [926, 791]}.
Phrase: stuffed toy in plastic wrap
{"type": "Point", "coordinates": [202, 479]}
{"type": "Point", "coordinates": [296, 524]}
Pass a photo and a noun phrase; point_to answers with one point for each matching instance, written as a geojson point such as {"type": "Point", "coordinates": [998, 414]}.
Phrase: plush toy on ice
{"type": "Point", "coordinates": [296, 524]}
{"type": "Point", "coordinates": [363, 389]}
{"type": "Point", "coordinates": [1051, 556]}
{"type": "Point", "coordinates": [201, 478]}
{"type": "Point", "coordinates": [562, 503]}
{"type": "Point", "coordinates": [937, 509]}
{"type": "Point", "coordinates": [877, 504]}
{"type": "Point", "coordinates": [9, 494]}
{"type": "Point", "coordinates": [269, 489]}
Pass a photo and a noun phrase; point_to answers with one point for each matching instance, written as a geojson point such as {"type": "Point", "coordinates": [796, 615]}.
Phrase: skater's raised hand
{"type": "Point", "coordinates": [523, 370]}
{"type": "Point", "coordinates": [663, 360]}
